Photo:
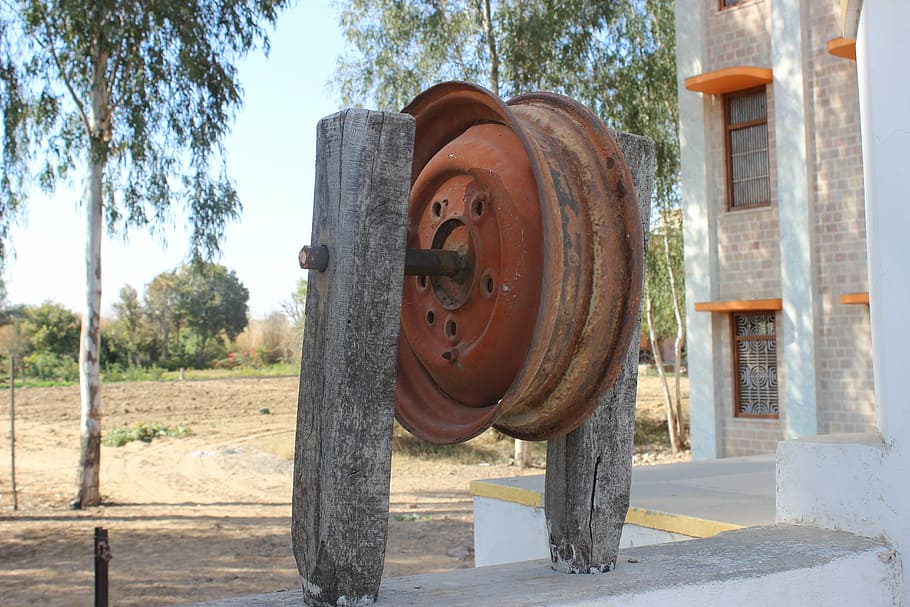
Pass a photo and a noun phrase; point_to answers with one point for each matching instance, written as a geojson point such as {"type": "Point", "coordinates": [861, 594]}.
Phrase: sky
{"type": "Point", "coordinates": [271, 155]}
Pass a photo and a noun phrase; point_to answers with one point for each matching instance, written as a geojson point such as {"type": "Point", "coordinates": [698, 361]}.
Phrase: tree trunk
{"type": "Point", "coordinates": [99, 134]}
{"type": "Point", "coordinates": [682, 435]}
{"type": "Point", "coordinates": [87, 489]}
{"type": "Point", "coordinates": [522, 453]}
{"type": "Point", "coordinates": [672, 423]}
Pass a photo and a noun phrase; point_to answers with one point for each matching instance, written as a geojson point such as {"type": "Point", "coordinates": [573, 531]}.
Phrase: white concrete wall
{"type": "Point", "coordinates": [860, 482]}
{"type": "Point", "coordinates": [780, 566]}
{"type": "Point", "coordinates": [507, 532]}
{"type": "Point", "coordinates": [796, 338]}
{"type": "Point", "coordinates": [698, 235]}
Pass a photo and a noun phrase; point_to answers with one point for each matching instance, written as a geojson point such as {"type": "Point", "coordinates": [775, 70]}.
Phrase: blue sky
{"type": "Point", "coordinates": [271, 155]}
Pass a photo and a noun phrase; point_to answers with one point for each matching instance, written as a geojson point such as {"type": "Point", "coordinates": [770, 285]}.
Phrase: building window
{"type": "Point", "coordinates": [728, 3]}
{"type": "Point", "coordinates": [755, 363]}
{"type": "Point", "coordinates": [748, 177]}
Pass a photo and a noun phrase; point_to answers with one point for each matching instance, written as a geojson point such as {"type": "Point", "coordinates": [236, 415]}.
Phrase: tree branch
{"type": "Point", "coordinates": [487, 21]}
{"type": "Point", "coordinates": [64, 76]}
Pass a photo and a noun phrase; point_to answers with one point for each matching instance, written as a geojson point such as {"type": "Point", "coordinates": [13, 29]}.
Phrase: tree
{"type": "Point", "coordinates": [211, 301]}
{"type": "Point", "coordinates": [51, 328]}
{"type": "Point", "coordinates": [161, 313]}
{"type": "Point", "coordinates": [664, 302]}
{"type": "Point", "coordinates": [617, 56]}
{"type": "Point", "coordinates": [129, 326]}
{"type": "Point", "coordinates": [295, 309]}
{"type": "Point", "coordinates": [143, 93]}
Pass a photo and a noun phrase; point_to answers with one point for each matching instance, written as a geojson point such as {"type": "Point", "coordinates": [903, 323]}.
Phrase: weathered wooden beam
{"type": "Point", "coordinates": [589, 471]}
{"type": "Point", "coordinates": [345, 408]}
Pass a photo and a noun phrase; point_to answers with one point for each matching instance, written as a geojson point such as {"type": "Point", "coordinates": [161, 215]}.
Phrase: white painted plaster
{"type": "Point", "coordinates": [860, 482]}
{"type": "Point", "coordinates": [508, 532]}
{"type": "Point", "coordinates": [779, 565]}
{"type": "Point", "coordinates": [698, 222]}
{"type": "Point", "coordinates": [797, 335]}
{"type": "Point", "coordinates": [884, 97]}
{"type": "Point", "coordinates": [835, 482]}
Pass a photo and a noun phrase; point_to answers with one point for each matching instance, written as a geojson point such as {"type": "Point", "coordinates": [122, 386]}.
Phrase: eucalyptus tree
{"type": "Point", "coordinates": [616, 56]}
{"type": "Point", "coordinates": [140, 95]}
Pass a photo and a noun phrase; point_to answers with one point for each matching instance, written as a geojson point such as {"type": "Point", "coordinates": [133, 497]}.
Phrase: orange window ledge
{"type": "Point", "coordinates": [855, 298]}
{"type": "Point", "coordinates": [729, 80]}
{"type": "Point", "coordinates": [740, 305]}
{"type": "Point", "coordinates": [842, 47]}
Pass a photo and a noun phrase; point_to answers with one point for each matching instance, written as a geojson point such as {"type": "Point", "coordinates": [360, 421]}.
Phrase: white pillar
{"type": "Point", "coordinates": [797, 336]}
{"type": "Point", "coordinates": [859, 483]}
{"type": "Point", "coordinates": [698, 222]}
{"type": "Point", "coordinates": [884, 97]}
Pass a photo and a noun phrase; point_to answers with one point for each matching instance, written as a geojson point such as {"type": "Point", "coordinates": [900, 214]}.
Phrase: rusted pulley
{"type": "Point", "coordinates": [533, 206]}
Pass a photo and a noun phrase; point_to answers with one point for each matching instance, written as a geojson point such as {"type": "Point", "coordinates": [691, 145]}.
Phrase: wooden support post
{"type": "Point", "coordinates": [589, 471]}
{"type": "Point", "coordinates": [342, 460]}
{"type": "Point", "coordinates": [12, 429]}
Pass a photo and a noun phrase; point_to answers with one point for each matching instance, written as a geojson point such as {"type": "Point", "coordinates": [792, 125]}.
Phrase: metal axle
{"type": "Point", "coordinates": [417, 262]}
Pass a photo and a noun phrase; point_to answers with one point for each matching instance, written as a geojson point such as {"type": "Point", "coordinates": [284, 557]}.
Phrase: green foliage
{"type": "Point", "coordinates": [116, 372]}
{"type": "Point", "coordinates": [617, 57]}
{"type": "Point", "coordinates": [148, 88]}
{"type": "Point", "coordinates": [211, 301]}
{"type": "Point", "coordinates": [52, 367]}
{"type": "Point", "coordinates": [190, 312]}
{"type": "Point", "coordinates": [51, 328]}
{"type": "Point", "coordinates": [142, 432]}
{"type": "Point", "coordinates": [668, 231]}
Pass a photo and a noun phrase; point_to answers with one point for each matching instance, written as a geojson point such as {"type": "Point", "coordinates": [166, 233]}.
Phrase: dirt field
{"type": "Point", "coordinates": [208, 516]}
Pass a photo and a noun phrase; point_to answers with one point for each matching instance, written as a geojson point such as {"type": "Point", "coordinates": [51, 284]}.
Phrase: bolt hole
{"type": "Point", "coordinates": [437, 209]}
{"type": "Point", "coordinates": [488, 285]}
{"type": "Point", "coordinates": [477, 208]}
{"type": "Point", "coordinates": [422, 283]}
{"type": "Point", "coordinates": [451, 329]}
{"type": "Point", "coordinates": [431, 317]}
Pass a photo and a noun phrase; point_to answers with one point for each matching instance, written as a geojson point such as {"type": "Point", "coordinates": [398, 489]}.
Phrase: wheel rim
{"type": "Point", "coordinates": [542, 320]}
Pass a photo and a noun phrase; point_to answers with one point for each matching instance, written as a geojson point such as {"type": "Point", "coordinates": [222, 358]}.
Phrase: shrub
{"type": "Point", "coordinates": [50, 366]}
{"type": "Point", "coordinates": [142, 432]}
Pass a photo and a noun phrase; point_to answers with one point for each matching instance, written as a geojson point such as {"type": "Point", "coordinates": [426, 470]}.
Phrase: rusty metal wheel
{"type": "Point", "coordinates": [535, 200]}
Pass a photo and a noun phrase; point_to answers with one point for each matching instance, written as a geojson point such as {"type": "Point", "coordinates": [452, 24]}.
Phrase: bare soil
{"type": "Point", "coordinates": [208, 515]}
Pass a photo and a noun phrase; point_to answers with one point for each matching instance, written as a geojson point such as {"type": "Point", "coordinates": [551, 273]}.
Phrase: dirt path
{"type": "Point", "coordinates": [200, 517]}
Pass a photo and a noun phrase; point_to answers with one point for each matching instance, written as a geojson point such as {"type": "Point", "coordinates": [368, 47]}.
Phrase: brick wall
{"type": "Point", "coordinates": [748, 240]}
{"type": "Point", "coordinates": [843, 341]}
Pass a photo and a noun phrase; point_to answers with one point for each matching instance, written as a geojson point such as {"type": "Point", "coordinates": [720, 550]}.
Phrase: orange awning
{"type": "Point", "coordinates": [855, 298]}
{"type": "Point", "coordinates": [842, 47]}
{"type": "Point", "coordinates": [729, 80]}
{"type": "Point", "coordinates": [740, 305]}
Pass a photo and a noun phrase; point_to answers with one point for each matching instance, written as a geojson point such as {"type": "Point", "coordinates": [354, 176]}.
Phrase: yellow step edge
{"type": "Point", "coordinates": [652, 519]}
{"type": "Point", "coordinates": [677, 523]}
{"type": "Point", "coordinates": [506, 493]}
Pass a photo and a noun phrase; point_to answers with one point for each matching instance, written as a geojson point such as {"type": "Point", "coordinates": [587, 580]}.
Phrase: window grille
{"type": "Point", "coordinates": [755, 362]}
{"type": "Point", "coordinates": [748, 176]}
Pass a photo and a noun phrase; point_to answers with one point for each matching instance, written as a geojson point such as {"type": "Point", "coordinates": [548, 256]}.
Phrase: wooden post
{"type": "Point", "coordinates": [589, 471]}
{"type": "Point", "coordinates": [12, 429]}
{"type": "Point", "coordinates": [345, 409]}
{"type": "Point", "coordinates": [102, 558]}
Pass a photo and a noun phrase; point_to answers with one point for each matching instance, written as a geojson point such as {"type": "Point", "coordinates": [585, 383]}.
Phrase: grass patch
{"type": "Point", "coordinates": [142, 432]}
{"type": "Point", "coordinates": [276, 370]}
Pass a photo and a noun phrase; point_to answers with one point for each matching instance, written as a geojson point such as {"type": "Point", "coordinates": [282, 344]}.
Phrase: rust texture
{"type": "Point", "coordinates": [314, 257]}
{"type": "Point", "coordinates": [536, 199]}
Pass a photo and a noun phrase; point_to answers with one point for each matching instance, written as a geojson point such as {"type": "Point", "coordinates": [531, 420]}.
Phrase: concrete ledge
{"type": "Point", "coordinates": [777, 565]}
{"type": "Point", "coordinates": [836, 481]}
{"type": "Point", "coordinates": [669, 502]}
